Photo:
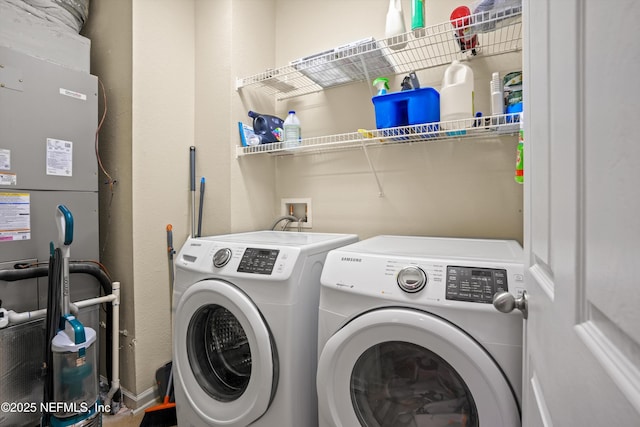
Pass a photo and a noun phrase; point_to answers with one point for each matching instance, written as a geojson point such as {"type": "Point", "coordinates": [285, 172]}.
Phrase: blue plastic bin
{"type": "Point", "coordinates": [513, 109]}
{"type": "Point", "coordinates": [407, 107]}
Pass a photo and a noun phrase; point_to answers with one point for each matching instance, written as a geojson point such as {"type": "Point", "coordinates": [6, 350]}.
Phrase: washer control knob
{"type": "Point", "coordinates": [412, 279]}
{"type": "Point", "coordinates": [221, 257]}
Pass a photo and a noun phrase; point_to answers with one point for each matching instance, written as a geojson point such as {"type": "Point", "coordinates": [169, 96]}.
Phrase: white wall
{"type": "Point", "coordinates": [171, 67]}
{"type": "Point", "coordinates": [213, 115]}
{"type": "Point", "coordinates": [109, 29]}
{"type": "Point", "coordinates": [163, 84]}
{"type": "Point", "coordinates": [253, 183]}
{"type": "Point", "coordinates": [457, 188]}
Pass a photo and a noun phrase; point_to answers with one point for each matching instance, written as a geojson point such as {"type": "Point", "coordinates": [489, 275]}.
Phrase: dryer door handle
{"type": "Point", "coordinates": [505, 303]}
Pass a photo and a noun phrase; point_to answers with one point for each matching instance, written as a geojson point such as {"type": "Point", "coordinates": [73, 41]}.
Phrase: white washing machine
{"type": "Point", "coordinates": [408, 335]}
{"type": "Point", "coordinates": [245, 328]}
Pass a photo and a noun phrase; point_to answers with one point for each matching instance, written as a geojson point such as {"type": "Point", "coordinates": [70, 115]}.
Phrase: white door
{"type": "Point", "coordinates": [582, 233]}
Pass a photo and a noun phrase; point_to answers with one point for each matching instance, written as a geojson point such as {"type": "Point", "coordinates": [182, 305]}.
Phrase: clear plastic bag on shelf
{"type": "Point", "coordinates": [488, 13]}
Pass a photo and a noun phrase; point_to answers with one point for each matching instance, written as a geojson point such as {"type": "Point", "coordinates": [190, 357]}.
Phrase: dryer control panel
{"type": "Point", "coordinates": [427, 270]}
{"type": "Point", "coordinates": [475, 284]}
{"type": "Point", "coordinates": [259, 261]}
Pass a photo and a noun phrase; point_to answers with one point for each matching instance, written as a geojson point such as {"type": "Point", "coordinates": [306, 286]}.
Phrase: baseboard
{"type": "Point", "coordinates": [138, 402]}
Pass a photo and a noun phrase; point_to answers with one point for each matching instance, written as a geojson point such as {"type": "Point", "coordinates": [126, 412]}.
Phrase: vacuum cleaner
{"type": "Point", "coordinates": [73, 355]}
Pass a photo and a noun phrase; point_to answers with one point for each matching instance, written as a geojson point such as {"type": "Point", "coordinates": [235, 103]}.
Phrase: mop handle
{"type": "Point", "coordinates": [170, 252]}
{"type": "Point", "coordinates": [192, 166]}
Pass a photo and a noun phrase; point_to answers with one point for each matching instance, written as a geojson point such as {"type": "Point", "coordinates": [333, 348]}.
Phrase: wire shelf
{"type": "Point", "coordinates": [482, 34]}
{"type": "Point", "coordinates": [480, 127]}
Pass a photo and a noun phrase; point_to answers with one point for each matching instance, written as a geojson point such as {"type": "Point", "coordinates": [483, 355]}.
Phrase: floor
{"type": "Point", "coordinates": [123, 419]}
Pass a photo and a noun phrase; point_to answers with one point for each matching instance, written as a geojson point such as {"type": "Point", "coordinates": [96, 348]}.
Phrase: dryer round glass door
{"type": "Point", "coordinates": [400, 367]}
{"type": "Point", "coordinates": [224, 355]}
{"type": "Point", "coordinates": [398, 383]}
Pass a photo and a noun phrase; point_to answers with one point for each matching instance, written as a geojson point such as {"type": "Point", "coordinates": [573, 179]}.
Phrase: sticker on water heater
{"type": "Point", "coordinates": [8, 179]}
{"type": "Point", "coordinates": [73, 94]}
{"type": "Point", "coordinates": [59, 157]}
{"type": "Point", "coordinates": [15, 216]}
{"type": "Point", "coordinates": [5, 159]}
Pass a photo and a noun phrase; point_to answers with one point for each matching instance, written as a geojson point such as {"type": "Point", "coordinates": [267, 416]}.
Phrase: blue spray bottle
{"type": "Point", "coordinates": [382, 84]}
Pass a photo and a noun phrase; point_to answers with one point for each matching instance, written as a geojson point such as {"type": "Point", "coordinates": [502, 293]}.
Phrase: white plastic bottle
{"type": "Point", "coordinates": [456, 94]}
{"type": "Point", "coordinates": [497, 95]}
{"type": "Point", "coordinates": [292, 133]}
{"type": "Point", "coordinates": [395, 28]}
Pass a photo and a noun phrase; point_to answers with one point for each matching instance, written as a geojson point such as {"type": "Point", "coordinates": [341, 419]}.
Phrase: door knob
{"type": "Point", "coordinates": [505, 303]}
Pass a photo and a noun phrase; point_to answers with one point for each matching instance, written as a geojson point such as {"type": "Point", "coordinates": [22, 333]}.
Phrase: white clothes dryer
{"type": "Point", "coordinates": [245, 328]}
{"type": "Point", "coordinates": [408, 335]}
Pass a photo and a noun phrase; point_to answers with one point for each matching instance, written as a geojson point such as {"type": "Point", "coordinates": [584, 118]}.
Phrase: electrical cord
{"type": "Point", "coordinates": [110, 181]}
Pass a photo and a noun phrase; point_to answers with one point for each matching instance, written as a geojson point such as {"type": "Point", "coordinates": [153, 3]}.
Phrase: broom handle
{"type": "Point", "coordinates": [167, 394]}
{"type": "Point", "coordinates": [170, 253]}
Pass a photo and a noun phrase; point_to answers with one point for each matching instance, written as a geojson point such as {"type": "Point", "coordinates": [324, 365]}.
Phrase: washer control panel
{"type": "Point", "coordinates": [258, 261]}
{"type": "Point", "coordinates": [235, 260]}
{"type": "Point", "coordinates": [475, 284]}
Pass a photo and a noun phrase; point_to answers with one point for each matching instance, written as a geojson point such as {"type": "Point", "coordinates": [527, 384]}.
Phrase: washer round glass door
{"type": "Point", "coordinates": [225, 358]}
{"type": "Point", "coordinates": [406, 368]}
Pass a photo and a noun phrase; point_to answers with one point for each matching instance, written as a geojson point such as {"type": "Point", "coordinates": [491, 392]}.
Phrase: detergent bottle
{"type": "Point", "coordinates": [519, 176]}
{"type": "Point", "coordinates": [456, 95]}
{"type": "Point", "coordinates": [292, 133]}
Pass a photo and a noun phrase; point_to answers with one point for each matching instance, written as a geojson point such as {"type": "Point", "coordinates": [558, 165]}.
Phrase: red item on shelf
{"type": "Point", "coordinates": [460, 19]}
